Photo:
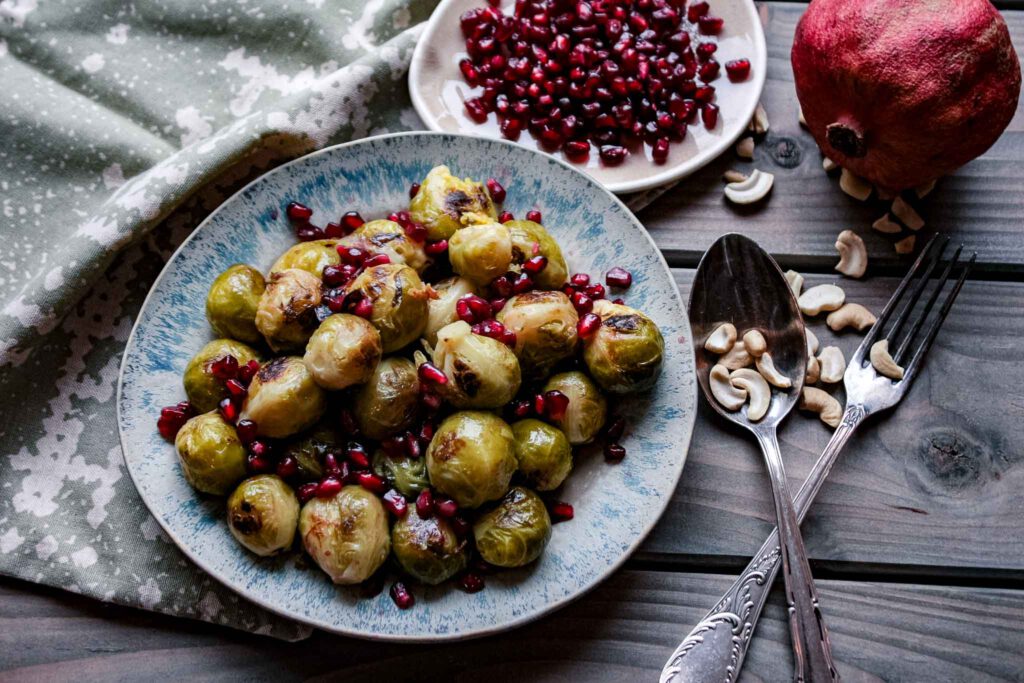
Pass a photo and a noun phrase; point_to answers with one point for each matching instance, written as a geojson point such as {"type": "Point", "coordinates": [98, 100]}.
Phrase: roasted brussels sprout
{"type": "Point", "coordinates": [204, 390]}
{"type": "Point", "coordinates": [232, 301]}
{"type": "Point", "coordinates": [515, 532]}
{"type": "Point", "coordinates": [530, 239]}
{"type": "Point", "coordinates": [388, 237]}
{"type": "Point", "coordinates": [545, 327]}
{"type": "Point", "coordinates": [211, 455]}
{"type": "Point", "coordinates": [311, 257]}
{"type": "Point", "coordinates": [343, 351]}
{"type": "Point", "coordinates": [263, 513]}
{"type": "Point", "coordinates": [543, 454]}
{"type": "Point", "coordinates": [472, 457]}
{"type": "Point", "coordinates": [309, 449]}
{"type": "Point", "coordinates": [399, 300]}
{"type": "Point", "coordinates": [482, 372]}
{"type": "Point", "coordinates": [481, 252]}
{"type": "Point", "coordinates": [388, 402]}
{"type": "Point", "coordinates": [587, 407]}
{"type": "Point", "coordinates": [286, 315]}
{"type": "Point", "coordinates": [441, 311]}
{"type": "Point", "coordinates": [443, 202]}
{"type": "Point", "coordinates": [283, 399]}
{"type": "Point", "coordinates": [428, 549]}
{"type": "Point", "coordinates": [347, 535]}
{"type": "Point", "coordinates": [407, 475]}
{"type": "Point", "coordinates": [625, 353]}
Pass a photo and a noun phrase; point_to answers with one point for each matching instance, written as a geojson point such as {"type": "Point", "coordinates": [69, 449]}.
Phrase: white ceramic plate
{"type": "Point", "coordinates": [438, 92]}
{"type": "Point", "coordinates": [616, 505]}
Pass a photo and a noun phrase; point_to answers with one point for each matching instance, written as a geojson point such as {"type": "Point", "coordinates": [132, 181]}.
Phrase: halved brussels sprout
{"type": "Point", "coordinates": [283, 399]}
{"type": "Point", "coordinates": [311, 257]}
{"type": "Point", "coordinates": [309, 449]}
{"type": "Point", "coordinates": [441, 310]}
{"type": "Point", "coordinates": [472, 457]}
{"type": "Point", "coordinates": [286, 315]}
{"type": "Point", "coordinates": [388, 237]}
{"type": "Point", "coordinates": [407, 475]}
{"type": "Point", "coordinates": [482, 372]}
{"type": "Point", "coordinates": [388, 402]}
{"type": "Point", "coordinates": [428, 549]}
{"type": "Point", "coordinates": [203, 389]}
{"type": "Point", "coordinates": [347, 535]}
{"type": "Point", "coordinates": [531, 239]}
{"type": "Point", "coordinates": [444, 200]}
{"type": "Point", "coordinates": [343, 351]}
{"type": "Point", "coordinates": [211, 455]}
{"type": "Point", "coordinates": [545, 327]}
{"type": "Point", "coordinates": [515, 532]}
{"type": "Point", "coordinates": [543, 454]}
{"type": "Point", "coordinates": [625, 353]}
{"type": "Point", "coordinates": [399, 300]}
{"type": "Point", "coordinates": [232, 301]}
{"type": "Point", "coordinates": [481, 252]}
{"type": "Point", "coordinates": [587, 406]}
{"type": "Point", "coordinates": [263, 513]}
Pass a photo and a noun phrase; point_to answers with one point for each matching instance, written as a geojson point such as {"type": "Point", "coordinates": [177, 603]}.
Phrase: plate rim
{"type": "Point", "coordinates": [480, 632]}
{"type": "Point", "coordinates": [669, 175]}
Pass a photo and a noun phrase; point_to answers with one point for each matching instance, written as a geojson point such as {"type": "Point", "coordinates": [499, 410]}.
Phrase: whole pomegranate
{"type": "Point", "coordinates": [901, 92]}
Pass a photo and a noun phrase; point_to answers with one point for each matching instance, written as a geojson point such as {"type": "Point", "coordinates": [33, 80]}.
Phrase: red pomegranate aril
{"type": "Point", "coordinates": [287, 467]}
{"type": "Point", "coordinates": [372, 483]}
{"type": "Point", "coordinates": [479, 306]}
{"type": "Point", "coordinates": [503, 286]}
{"type": "Point", "coordinates": [414, 190]}
{"type": "Point", "coordinates": [560, 512]}
{"type": "Point", "coordinates": [471, 583]}
{"type": "Point", "coordinates": [620, 301]}
{"type": "Point", "coordinates": [708, 70]}
{"type": "Point", "coordinates": [257, 464]}
{"type": "Point", "coordinates": [416, 232]}
{"type": "Point", "coordinates": [710, 25]}
{"type": "Point", "coordinates": [505, 217]}
{"type": "Point", "coordinates": [492, 329]}
{"type": "Point", "coordinates": [259, 448]}
{"type": "Point", "coordinates": [352, 221]}
{"type": "Point", "coordinates": [464, 312]}
{"type": "Point", "coordinates": [228, 410]}
{"type": "Point", "coordinates": [534, 216]}
{"type": "Point", "coordinates": [334, 231]}
{"type": "Point", "coordinates": [737, 69]}
{"type": "Point", "coordinates": [521, 408]}
{"type": "Point", "coordinates": [352, 255]}
{"type": "Point", "coordinates": [709, 115]}
{"type": "Point", "coordinates": [579, 280]}
{"type": "Point", "coordinates": [497, 304]}
{"type": "Point", "coordinates": [225, 367]}
{"type": "Point", "coordinates": [535, 265]}
{"type": "Point", "coordinates": [577, 150]}
{"type": "Point", "coordinates": [614, 430]}
{"type": "Point", "coordinates": [588, 325]}
{"type": "Point", "coordinates": [436, 248]}
{"type": "Point", "coordinates": [331, 466]}
{"type": "Point", "coordinates": [170, 426]}
{"type": "Point", "coordinates": [538, 404]}
{"type": "Point", "coordinates": [613, 155]}
{"type": "Point", "coordinates": [412, 446]}
{"type": "Point", "coordinates": [431, 374]}
{"type": "Point", "coordinates": [395, 503]}
{"type": "Point", "coordinates": [496, 190]}
{"type": "Point", "coordinates": [475, 109]}
{"type": "Point", "coordinates": [246, 430]}
{"type": "Point", "coordinates": [445, 507]}
{"type": "Point", "coordinates": [469, 72]}
{"type": "Point", "coordinates": [328, 487]}
{"type": "Point", "coordinates": [248, 371]}
{"type": "Point", "coordinates": [430, 401]}
{"type": "Point", "coordinates": [307, 491]}
{"type": "Point", "coordinates": [618, 277]}
{"type": "Point", "coordinates": [704, 94]}
{"type": "Point", "coordinates": [705, 50]}
{"type": "Point", "coordinates": [614, 452]}
{"type": "Point", "coordinates": [509, 338]}
{"type": "Point", "coordinates": [308, 233]}
{"type": "Point", "coordinates": [401, 595]}
{"type": "Point", "coordinates": [335, 301]}
{"type": "Point", "coordinates": [523, 283]}
{"type": "Point", "coordinates": [235, 388]}
{"type": "Point", "coordinates": [659, 151]}
{"type": "Point", "coordinates": [555, 405]}
{"type": "Point", "coordinates": [425, 504]}
{"type": "Point", "coordinates": [299, 212]}
{"type": "Point", "coordinates": [335, 276]}
{"type": "Point", "coordinates": [356, 454]}
{"type": "Point", "coordinates": [581, 302]}
{"type": "Point", "coordinates": [363, 308]}
{"type": "Point", "coordinates": [377, 260]}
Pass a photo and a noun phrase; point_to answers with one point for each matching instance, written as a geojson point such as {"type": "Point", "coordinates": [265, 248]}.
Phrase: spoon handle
{"type": "Point", "coordinates": [716, 647]}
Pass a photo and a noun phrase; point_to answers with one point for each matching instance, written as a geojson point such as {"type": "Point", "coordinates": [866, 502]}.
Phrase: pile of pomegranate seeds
{"type": "Point", "coordinates": [607, 73]}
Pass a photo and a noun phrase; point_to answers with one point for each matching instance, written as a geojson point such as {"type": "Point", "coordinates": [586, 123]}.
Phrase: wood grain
{"type": "Point", "coordinates": [980, 205]}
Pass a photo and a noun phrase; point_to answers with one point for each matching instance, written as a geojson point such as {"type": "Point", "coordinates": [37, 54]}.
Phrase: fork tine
{"type": "Point", "coordinates": [901, 350]}
{"type": "Point", "coordinates": [911, 301]}
{"type": "Point", "coordinates": [933, 329]}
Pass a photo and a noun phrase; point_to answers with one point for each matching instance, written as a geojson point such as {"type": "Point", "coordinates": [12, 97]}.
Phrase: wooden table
{"type": "Point", "coordinates": [917, 539]}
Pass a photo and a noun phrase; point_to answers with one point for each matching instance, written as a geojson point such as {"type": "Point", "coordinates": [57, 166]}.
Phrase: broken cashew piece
{"type": "Point", "coordinates": [745, 149]}
{"type": "Point", "coordinates": [906, 245]}
{"type": "Point", "coordinates": [753, 189]}
{"type": "Point", "coordinates": [812, 342]}
{"type": "Point", "coordinates": [754, 343]}
{"type": "Point", "coordinates": [854, 185]}
{"type": "Point", "coordinates": [850, 315]}
{"type": "Point", "coordinates": [728, 396]}
{"type": "Point", "coordinates": [766, 366]}
{"type": "Point", "coordinates": [796, 281]}
{"type": "Point", "coordinates": [732, 176]}
{"type": "Point", "coordinates": [923, 191]}
{"type": "Point", "coordinates": [906, 213]}
{"type": "Point", "coordinates": [722, 339]}
{"type": "Point", "coordinates": [759, 122]}
{"type": "Point", "coordinates": [853, 255]}
{"type": "Point", "coordinates": [813, 370]}
{"type": "Point", "coordinates": [821, 298]}
{"type": "Point", "coordinates": [736, 357]}
{"type": "Point", "coordinates": [759, 394]}
{"type": "Point", "coordinates": [882, 361]}
{"type": "Point", "coordinates": [827, 408]}
{"type": "Point", "coordinates": [887, 225]}
{"type": "Point", "coordinates": [832, 364]}
{"type": "Point", "coordinates": [828, 165]}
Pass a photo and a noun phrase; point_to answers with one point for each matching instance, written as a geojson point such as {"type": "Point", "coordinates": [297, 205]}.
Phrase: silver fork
{"type": "Point", "coordinates": [716, 647]}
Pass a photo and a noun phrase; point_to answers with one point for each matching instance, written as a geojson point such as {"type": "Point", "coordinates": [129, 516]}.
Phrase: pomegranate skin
{"type": "Point", "coordinates": [902, 92]}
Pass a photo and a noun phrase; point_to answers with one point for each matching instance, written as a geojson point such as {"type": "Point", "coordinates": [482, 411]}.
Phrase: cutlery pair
{"type": "Point", "coordinates": [738, 282]}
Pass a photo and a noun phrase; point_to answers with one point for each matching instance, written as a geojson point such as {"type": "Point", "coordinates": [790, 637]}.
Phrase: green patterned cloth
{"type": "Point", "coordinates": [121, 126]}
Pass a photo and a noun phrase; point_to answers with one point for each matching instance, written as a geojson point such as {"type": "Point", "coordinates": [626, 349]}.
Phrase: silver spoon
{"type": "Point", "coordinates": [738, 282]}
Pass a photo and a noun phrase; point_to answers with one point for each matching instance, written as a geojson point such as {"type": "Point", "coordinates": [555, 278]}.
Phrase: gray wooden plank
{"type": "Point", "coordinates": [934, 485]}
{"type": "Point", "coordinates": [623, 630]}
{"type": "Point", "coordinates": [981, 204]}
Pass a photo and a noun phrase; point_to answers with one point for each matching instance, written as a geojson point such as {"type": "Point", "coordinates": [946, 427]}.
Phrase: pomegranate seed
{"type": "Point", "coordinates": [505, 217]}
{"type": "Point", "coordinates": [535, 265]}
{"type": "Point", "coordinates": [416, 232]}
{"type": "Point", "coordinates": [377, 260]}
{"type": "Point", "coordinates": [619, 277]}
{"type": "Point", "coordinates": [307, 491]}
{"type": "Point", "coordinates": [595, 291]}
{"type": "Point", "coordinates": [435, 248]}
{"type": "Point", "coordinates": [298, 212]}
{"type": "Point", "coordinates": [235, 388]}
{"type": "Point", "coordinates": [431, 374]}
{"type": "Point", "coordinates": [577, 150]}
{"type": "Point", "coordinates": [460, 525]}
{"type": "Point", "coordinates": [425, 504]}
{"type": "Point", "coordinates": [614, 429]}
{"type": "Point", "coordinates": [555, 405]}
{"type": "Point", "coordinates": [464, 312]}
{"type": "Point", "coordinates": [581, 302]}
{"type": "Point", "coordinates": [534, 216]}
{"type": "Point", "coordinates": [414, 190]}
{"type": "Point", "coordinates": [401, 595]}
{"type": "Point", "coordinates": [363, 308]}
{"type": "Point", "coordinates": [248, 371]}
{"type": "Point", "coordinates": [613, 452]}
{"type": "Point", "coordinates": [710, 25]}
{"type": "Point", "coordinates": [445, 507]}
{"type": "Point", "coordinates": [335, 276]}
{"type": "Point", "coordinates": [352, 255]}
{"type": "Point", "coordinates": [331, 466]}
{"type": "Point", "coordinates": [476, 110]}
{"type": "Point", "coordinates": [372, 483]}
{"type": "Point", "coordinates": [696, 10]}
{"type": "Point", "coordinates": [497, 305]}
{"type": "Point", "coordinates": [334, 301]}
{"type": "Point", "coordinates": [430, 401]}
{"type": "Point", "coordinates": [228, 410]}
{"type": "Point", "coordinates": [704, 94]}
{"type": "Point", "coordinates": [509, 338]}
{"type": "Point", "coordinates": [659, 152]}
{"type": "Point", "coordinates": [560, 512]}
{"type": "Point", "coordinates": [412, 446]}
{"type": "Point", "coordinates": [426, 432]}
{"type": "Point", "coordinates": [737, 69]}
{"type": "Point", "coordinates": [503, 286]}
{"type": "Point", "coordinates": [328, 488]}
{"type": "Point", "coordinates": [308, 233]}
{"type": "Point", "coordinates": [588, 325]}
{"type": "Point", "coordinates": [246, 430]}
{"type": "Point", "coordinates": [395, 503]}
{"type": "Point", "coordinates": [620, 301]}
{"type": "Point", "coordinates": [522, 283]}
{"type": "Point", "coordinates": [496, 190]}
{"type": "Point", "coordinates": [709, 115]}
{"type": "Point", "coordinates": [538, 404]}
{"type": "Point", "coordinates": [395, 445]}
{"type": "Point", "coordinates": [708, 70]}
{"type": "Point", "coordinates": [579, 280]}
{"type": "Point", "coordinates": [480, 308]}
{"type": "Point", "coordinates": [334, 231]}
{"type": "Point", "coordinates": [521, 408]}
{"type": "Point", "coordinates": [225, 367]}
{"type": "Point", "coordinates": [352, 221]}
{"type": "Point", "coordinates": [356, 454]}
{"type": "Point", "coordinates": [613, 155]}
{"type": "Point", "coordinates": [169, 426]}
{"type": "Point", "coordinates": [287, 467]}
{"type": "Point", "coordinates": [257, 464]}
{"type": "Point", "coordinates": [471, 583]}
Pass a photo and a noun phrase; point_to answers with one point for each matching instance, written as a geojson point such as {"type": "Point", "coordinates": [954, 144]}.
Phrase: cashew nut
{"type": "Point", "coordinates": [812, 342]}
{"type": "Point", "coordinates": [854, 185]}
{"type": "Point", "coordinates": [882, 361]}
{"type": "Point", "coordinates": [821, 298]}
{"type": "Point", "coordinates": [923, 191]}
{"type": "Point", "coordinates": [759, 123]}
{"type": "Point", "coordinates": [796, 281]}
{"type": "Point", "coordinates": [759, 394]}
{"type": "Point", "coordinates": [745, 148]}
{"type": "Point", "coordinates": [753, 189]}
{"type": "Point", "coordinates": [736, 357]}
{"type": "Point", "coordinates": [728, 396]}
{"type": "Point", "coordinates": [827, 408]}
{"type": "Point", "coordinates": [850, 315]}
{"type": "Point", "coordinates": [829, 165]}
{"type": "Point", "coordinates": [732, 176]}
{"type": "Point", "coordinates": [722, 339]}
{"type": "Point", "coordinates": [766, 366]}
{"type": "Point", "coordinates": [906, 213]}
{"type": "Point", "coordinates": [754, 343]}
{"type": "Point", "coordinates": [853, 255]}
{"type": "Point", "coordinates": [813, 370]}
{"type": "Point", "coordinates": [832, 363]}
{"type": "Point", "coordinates": [887, 225]}
{"type": "Point", "coordinates": [906, 245]}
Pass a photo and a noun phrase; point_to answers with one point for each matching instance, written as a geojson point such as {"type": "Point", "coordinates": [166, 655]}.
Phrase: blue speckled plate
{"type": "Point", "coordinates": [616, 505]}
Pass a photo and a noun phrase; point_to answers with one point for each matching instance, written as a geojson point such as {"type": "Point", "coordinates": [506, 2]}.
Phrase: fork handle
{"type": "Point", "coordinates": [716, 647]}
